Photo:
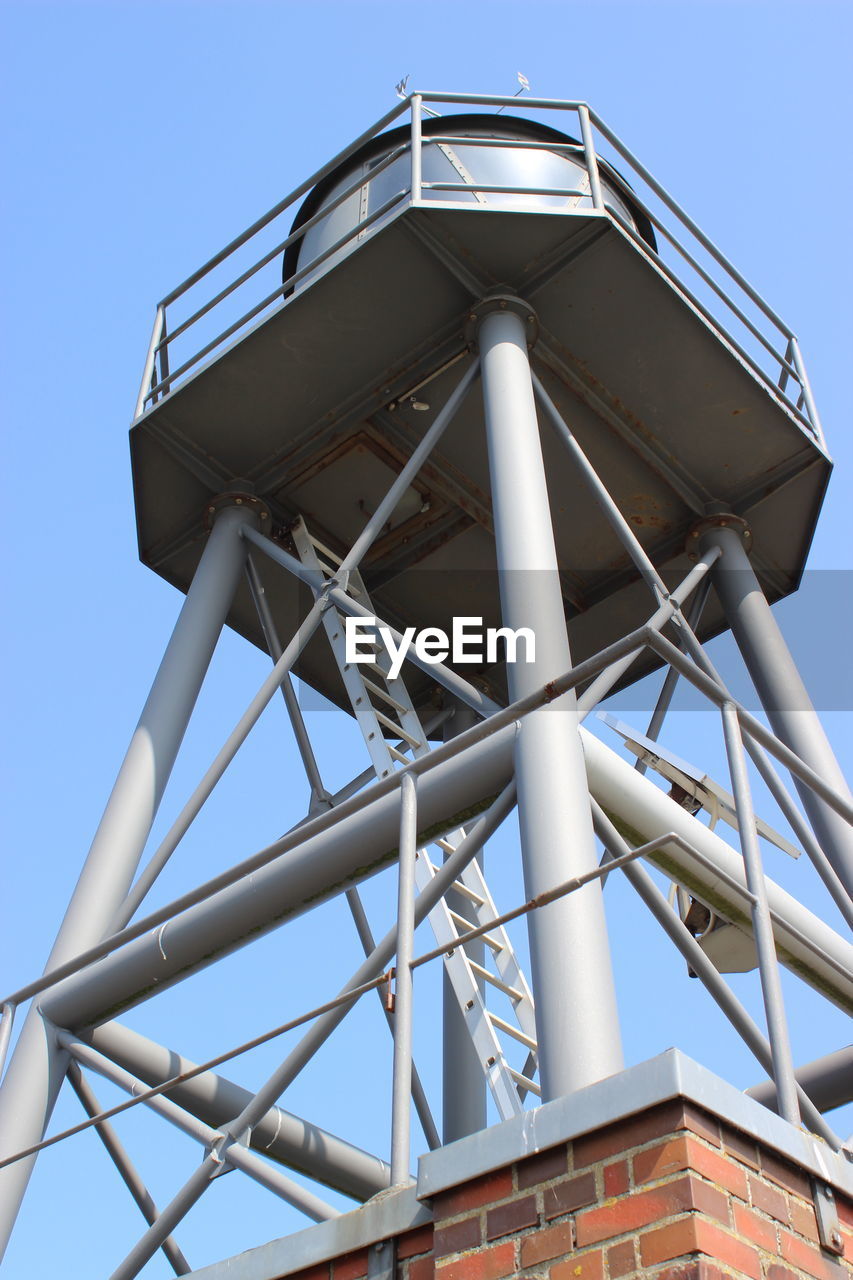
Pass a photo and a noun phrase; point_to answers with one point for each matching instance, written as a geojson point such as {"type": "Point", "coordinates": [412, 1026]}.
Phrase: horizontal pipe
{"type": "Point", "coordinates": [212, 1098]}
{"type": "Point", "coordinates": [828, 1081]}
{"type": "Point", "coordinates": [314, 871]}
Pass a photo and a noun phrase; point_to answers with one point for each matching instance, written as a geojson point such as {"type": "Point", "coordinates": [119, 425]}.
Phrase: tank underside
{"type": "Point", "coordinates": [312, 409]}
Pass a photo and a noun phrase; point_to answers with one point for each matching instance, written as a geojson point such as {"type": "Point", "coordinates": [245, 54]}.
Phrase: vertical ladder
{"type": "Point", "coordinates": [381, 703]}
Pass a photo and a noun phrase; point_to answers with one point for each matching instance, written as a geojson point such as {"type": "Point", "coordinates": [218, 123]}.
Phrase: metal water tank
{"type": "Point", "coordinates": [491, 161]}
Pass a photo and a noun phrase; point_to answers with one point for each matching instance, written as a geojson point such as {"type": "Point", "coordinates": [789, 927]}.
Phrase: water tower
{"type": "Point", "coordinates": [472, 429]}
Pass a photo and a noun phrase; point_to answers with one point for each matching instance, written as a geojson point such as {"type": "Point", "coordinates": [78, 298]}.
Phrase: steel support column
{"type": "Point", "coordinates": [463, 1082]}
{"type": "Point", "coordinates": [37, 1066]}
{"type": "Point", "coordinates": [780, 688]}
{"type": "Point", "coordinates": [576, 1016]}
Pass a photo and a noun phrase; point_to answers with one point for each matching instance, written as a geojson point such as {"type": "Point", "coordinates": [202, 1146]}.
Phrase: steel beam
{"type": "Point", "coordinates": [215, 1100]}
{"type": "Point", "coordinates": [780, 687]}
{"type": "Point", "coordinates": [576, 1016]}
{"type": "Point", "coordinates": [37, 1066]}
{"type": "Point", "coordinates": [318, 868]}
{"type": "Point", "coordinates": [828, 1081]}
{"type": "Point", "coordinates": [463, 1082]}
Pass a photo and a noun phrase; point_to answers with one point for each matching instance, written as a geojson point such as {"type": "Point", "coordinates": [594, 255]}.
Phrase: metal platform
{"type": "Point", "coordinates": [670, 414]}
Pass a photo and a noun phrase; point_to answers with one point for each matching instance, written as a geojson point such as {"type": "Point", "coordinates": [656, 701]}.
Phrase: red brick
{"type": "Point", "coordinates": [453, 1237]}
{"type": "Point", "coordinates": [565, 1197]}
{"type": "Point", "coordinates": [702, 1124]}
{"type": "Point", "coordinates": [786, 1175]}
{"type": "Point", "coordinates": [589, 1266]}
{"type": "Point", "coordinates": [698, 1270]}
{"type": "Point", "coordinates": [511, 1217]}
{"type": "Point", "coordinates": [542, 1246]}
{"type": "Point", "coordinates": [415, 1242]}
{"type": "Point", "coordinates": [616, 1139]}
{"type": "Point", "coordinates": [351, 1267]}
{"type": "Point", "coordinates": [488, 1264]}
{"type": "Point", "coordinates": [845, 1209]}
{"type": "Point", "coordinates": [621, 1259]}
{"type": "Point", "coordinates": [645, 1207]}
{"type": "Point", "coordinates": [802, 1217]}
{"type": "Point", "coordinates": [768, 1199]}
{"type": "Point", "coordinates": [777, 1272]}
{"type": "Point", "coordinates": [694, 1234]}
{"type": "Point", "coordinates": [473, 1195]}
{"type": "Point", "coordinates": [320, 1272]}
{"type": "Point", "coordinates": [685, 1152]}
{"type": "Point", "coordinates": [813, 1261]}
{"type": "Point", "coordinates": [755, 1228]}
{"type": "Point", "coordinates": [737, 1144]}
{"type": "Point", "coordinates": [616, 1178]}
{"type": "Point", "coordinates": [542, 1167]}
{"type": "Point", "coordinates": [421, 1269]}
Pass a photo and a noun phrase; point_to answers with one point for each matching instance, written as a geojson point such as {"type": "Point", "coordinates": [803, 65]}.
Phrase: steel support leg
{"type": "Point", "coordinates": [37, 1066]}
{"type": "Point", "coordinates": [781, 690]}
{"type": "Point", "coordinates": [464, 1084]}
{"type": "Point", "coordinates": [576, 1016]}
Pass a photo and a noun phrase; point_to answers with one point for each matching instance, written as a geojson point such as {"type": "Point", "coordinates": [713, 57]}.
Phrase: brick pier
{"type": "Point", "coordinates": [618, 1181]}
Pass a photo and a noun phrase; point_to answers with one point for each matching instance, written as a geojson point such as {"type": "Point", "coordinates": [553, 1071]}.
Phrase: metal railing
{"type": "Point", "coordinates": [220, 301]}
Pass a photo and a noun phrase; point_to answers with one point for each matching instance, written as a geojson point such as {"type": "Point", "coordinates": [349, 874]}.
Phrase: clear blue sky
{"type": "Point", "coordinates": [137, 139]}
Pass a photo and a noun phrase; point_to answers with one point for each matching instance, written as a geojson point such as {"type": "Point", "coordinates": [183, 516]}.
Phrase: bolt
{"type": "Point", "coordinates": [239, 501]}
{"type": "Point", "coordinates": [210, 510]}
{"type": "Point", "coordinates": [723, 524]}
{"type": "Point", "coordinates": [503, 304]}
{"type": "Point", "coordinates": [472, 315]}
{"type": "Point", "coordinates": [836, 1239]}
{"type": "Point", "coordinates": [531, 319]}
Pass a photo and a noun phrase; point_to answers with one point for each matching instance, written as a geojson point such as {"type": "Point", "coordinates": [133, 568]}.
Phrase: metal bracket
{"type": "Point", "coordinates": [382, 1260]}
{"type": "Point", "coordinates": [826, 1212]}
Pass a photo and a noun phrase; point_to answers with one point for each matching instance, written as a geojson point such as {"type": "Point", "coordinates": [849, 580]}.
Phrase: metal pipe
{"type": "Point", "coordinates": [464, 1089]}
{"type": "Point", "coordinates": [401, 1088]}
{"type": "Point", "coordinates": [762, 928]}
{"type": "Point", "coordinates": [828, 1081]}
{"type": "Point", "coordinates": [673, 926]}
{"type": "Point", "coordinates": [127, 1172]}
{"type": "Point", "coordinates": [781, 690]}
{"type": "Point", "coordinates": [36, 1069]}
{"type": "Point", "coordinates": [151, 355]}
{"type": "Point", "coordinates": [225, 755]}
{"type": "Point", "coordinates": [319, 793]}
{"type": "Point", "coordinates": [316, 869]}
{"type": "Point", "coordinates": [213, 1099]}
{"type": "Point", "coordinates": [590, 157]}
{"type": "Point", "coordinates": [417, 154]}
{"type": "Point", "coordinates": [7, 1019]}
{"type": "Point", "coordinates": [576, 1017]}
{"type": "Point", "coordinates": [368, 943]}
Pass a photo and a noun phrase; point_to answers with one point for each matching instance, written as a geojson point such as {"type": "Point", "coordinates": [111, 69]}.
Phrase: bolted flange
{"type": "Point", "coordinates": [236, 498]}
{"type": "Point", "coordinates": [501, 300]}
{"type": "Point", "coordinates": [723, 520]}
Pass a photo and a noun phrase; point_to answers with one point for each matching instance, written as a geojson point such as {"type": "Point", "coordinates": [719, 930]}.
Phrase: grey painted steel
{"type": "Point", "coordinates": [828, 1081]}
{"type": "Point", "coordinates": [7, 1019]}
{"type": "Point", "coordinates": [225, 755]}
{"type": "Point", "coordinates": [368, 943]}
{"type": "Point", "coordinates": [401, 1087]}
{"type": "Point", "coordinates": [36, 1069]}
{"type": "Point", "coordinates": [319, 794]}
{"type": "Point", "coordinates": [463, 1090]}
{"type": "Point", "coordinates": [576, 1016]}
{"type": "Point", "coordinates": [728, 1002]}
{"type": "Point", "coordinates": [781, 690]}
{"type": "Point", "coordinates": [762, 925]}
{"type": "Point", "coordinates": [805, 944]}
{"type": "Point", "coordinates": [315, 870]}
{"type": "Point", "coordinates": [213, 1099]}
{"type": "Point", "coordinates": [124, 1165]}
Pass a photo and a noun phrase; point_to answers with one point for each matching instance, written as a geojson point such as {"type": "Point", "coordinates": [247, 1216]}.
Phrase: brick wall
{"type": "Point", "coordinates": [673, 1193]}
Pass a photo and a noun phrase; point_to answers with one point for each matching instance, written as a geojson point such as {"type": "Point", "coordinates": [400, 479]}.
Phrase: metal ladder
{"type": "Point", "coordinates": [381, 703]}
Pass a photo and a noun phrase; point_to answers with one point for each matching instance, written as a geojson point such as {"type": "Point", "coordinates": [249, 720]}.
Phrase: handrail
{"type": "Point", "coordinates": [730, 288]}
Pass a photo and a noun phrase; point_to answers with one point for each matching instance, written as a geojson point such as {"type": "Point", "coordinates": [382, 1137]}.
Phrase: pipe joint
{"type": "Point", "coordinates": [501, 301]}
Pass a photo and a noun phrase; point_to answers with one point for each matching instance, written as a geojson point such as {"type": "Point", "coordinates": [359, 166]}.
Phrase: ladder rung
{"type": "Point", "coordinates": [395, 728]}
{"type": "Point", "coordinates": [466, 925]}
{"type": "Point", "coordinates": [530, 1085]}
{"type": "Point", "coordinates": [383, 694]}
{"type": "Point", "coordinates": [489, 977]}
{"type": "Point", "coordinates": [460, 887]}
{"type": "Point", "coordinates": [397, 755]}
{"type": "Point", "coordinates": [510, 1030]}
